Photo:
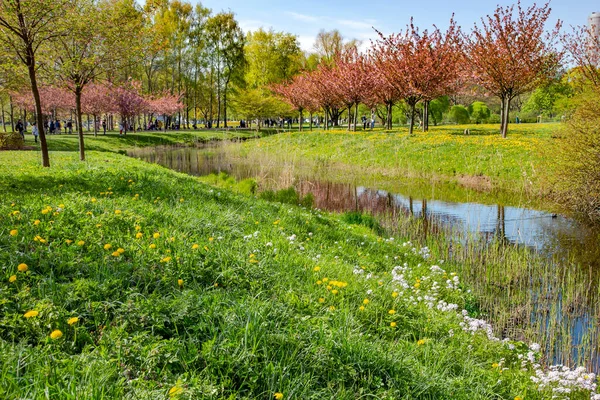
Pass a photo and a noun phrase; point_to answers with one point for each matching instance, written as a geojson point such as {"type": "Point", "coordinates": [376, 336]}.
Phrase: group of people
{"type": "Point", "coordinates": [366, 122]}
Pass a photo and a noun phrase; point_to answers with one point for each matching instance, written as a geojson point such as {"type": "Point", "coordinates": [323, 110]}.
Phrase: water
{"type": "Point", "coordinates": [548, 295]}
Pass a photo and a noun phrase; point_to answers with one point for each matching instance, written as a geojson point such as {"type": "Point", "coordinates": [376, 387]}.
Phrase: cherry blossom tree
{"type": "Point", "coordinates": [297, 94]}
{"type": "Point", "coordinates": [510, 53]}
{"type": "Point", "coordinates": [352, 80]}
{"type": "Point", "coordinates": [165, 105]}
{"type": "Point", "coordinates": [582, 45]}
{"type": "Point", "coordinates": [96, 100]}
{"type": "Point", "coordinates": [129, 102]}
{"type": "Point", "coordinates": [404, 59]}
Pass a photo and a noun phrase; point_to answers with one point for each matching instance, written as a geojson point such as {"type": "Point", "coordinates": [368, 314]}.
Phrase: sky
{"type": "Point", "coordinates": [356, 19]}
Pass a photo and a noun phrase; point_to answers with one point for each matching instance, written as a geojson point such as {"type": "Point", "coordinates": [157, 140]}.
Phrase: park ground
{"type": "Point", "coordinates": [125, 279]}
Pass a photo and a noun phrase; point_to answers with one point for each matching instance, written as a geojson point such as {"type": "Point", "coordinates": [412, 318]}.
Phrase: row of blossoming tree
{"type": "Point", "coordinates": [508, 54]}
{"type": "Point", "coordinates": [100, 100]}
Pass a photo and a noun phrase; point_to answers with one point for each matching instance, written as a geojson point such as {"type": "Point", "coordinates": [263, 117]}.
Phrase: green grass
{"type": "Point", "coordinates": [253, 314]}
{"type": "Point", "coordinates": [481, 161]}
{"type": "Point", "coordinates": [114, 142]}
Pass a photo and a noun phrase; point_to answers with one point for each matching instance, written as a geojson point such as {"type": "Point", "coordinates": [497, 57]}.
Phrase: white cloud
{"type": "Point", "coordinates": [303, 17]}
{"type": "Point", "coordinates": [362, 25]}
{"type": "Point", "coordinates": [253, 24]}
{"type": "Point", "coordinates": [307, 42]}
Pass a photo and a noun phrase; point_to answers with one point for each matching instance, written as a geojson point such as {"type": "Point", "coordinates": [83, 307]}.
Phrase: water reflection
{"type": "Point", "coordinates": [547, 292]}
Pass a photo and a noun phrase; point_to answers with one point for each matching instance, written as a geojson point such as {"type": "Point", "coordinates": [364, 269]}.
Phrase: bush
{"type": "Point", "coordinates": [578, 161]}
{"type": "Point", "coordinates": [480, 113]}
{"type": "Point", "coordinates": [459, 114]}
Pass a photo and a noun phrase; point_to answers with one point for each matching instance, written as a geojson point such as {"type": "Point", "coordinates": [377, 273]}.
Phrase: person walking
{"type": "Point", "coordinates": [20, 128]}
{"type": "Point", "coordinates": [35, 132]}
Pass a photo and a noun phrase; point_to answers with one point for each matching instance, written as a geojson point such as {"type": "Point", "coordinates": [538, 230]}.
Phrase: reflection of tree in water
{"type": "Point", "coordinates": [550, 295]}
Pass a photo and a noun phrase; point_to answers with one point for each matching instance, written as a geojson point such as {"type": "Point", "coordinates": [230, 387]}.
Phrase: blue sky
{"type": "Point", "coordinates": [354, 19]}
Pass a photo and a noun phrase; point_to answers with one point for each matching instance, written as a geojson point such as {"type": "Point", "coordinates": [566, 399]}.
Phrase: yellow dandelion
{"type": "Point", "coordinates": [321, 300]}
{"type": "Point", "coordinates": [166, 259]}
{"type": "Point", "coordinates": [278, 396]}
{"type": "Point", "coordinates": [180, 282]}
{"type": "Point", "coordinates": [325, 279]}
{"type": "Point", "coordinates": [417, 285]}
{"type": "Point", "coordinates": [195, 246]}
{"type": "Point", "coordinates": [31, 314]}
{"type": "Point", "coordinates": [14, 232]}
{"type": "Point", "coordinates": [518, 398]}
{"type": "Point", "coordinates": [45, 211]}
{"type": "Point", "coordinates": [68, 241]}
{"type": "Point", "coordinates": [317, 268]}
{"type": "Point", "coordinates": [366, 301]}
{"type": "Point", "coordinates": [36, 222]}
{"type": "Point", "coordinates": [139, 235]}
{"type": "Point", "coordinates": [206, 248]}
{"type": "Point", "coordinates": [107, 246]}
{"type": "Point", "coordinates": [394, 294]}
{"type": "Point", "coordinates": [12, 278]}
{"type": "Point", "coordinates": [93, 199]}
{"type": "Point", "coordinates": [495, 365]}
{"type": "Point", "coordinates": [117, 212]}
{"type": "Point", "coordinates": [328, 287]}
{"type": "Point", "coordinates": [22, 267]}
{"type": "Point", "coordinates": [319, 282]}
{"type": "Point", "coordinates": [72, 320]}
{"type": "Point", "coordinates": [120, 250]}
{"type": "Point", "coordinates": [181, 200]}
{"type": "Point", "coordinates": [393, 324]}
{"type": "Point", "coordinates": [334, 291]}
{"type": "Point", "coordinates": [210, 239]}
{"type": "Point", "coordinates": [115, 254]}
{"type": "Point", "coordinates": [138, 228]}
{"type": "Point", "coordinates": [175, 391]}
{"type": "Point", "coordinates": [361, 308]}
{"type": "Point", "coordinates": [56, 334]}
{"type": "Point", "coordinates": [80, 243]}
{"type": "Point", "coordinates": [152, 246]}
{"type": "Point", "coordinates": [421, 342]}
{"type": "Point", "coordinates": [331, 308]}
{"type": "Point", "coordinates": [392, 312]}
{"type": "Point", "coordinates": [156, 235]}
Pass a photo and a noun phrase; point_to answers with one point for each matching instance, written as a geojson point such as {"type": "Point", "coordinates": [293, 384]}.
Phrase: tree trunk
{"type": "Point", "coordinates": [425, 115]}
{"type": "Point", "coordinates": [79, 122]}
{"type": "Point", "coordinates": [12, 114]}
{"type": "Point", "coordinates": [349, 119]}
{"type": "Point", "coordinates": [355, 116]}
{"type": "Point", "coordinates": [311, 122]}
{"type": "Point", "coordinates": [505, 117]}
{"type": "Point", "coordinates": [300, 122]}
{"type": "Point", "coordinates": [388, 121]}
{"type": "Point", "coordinates": [3, 119]}
{"type": "Point", "coordinates": [413, 106]}
{"type": "Point", "coordinates": [501, 114]}
{"type": "Point", "coordinates": [38, 108]}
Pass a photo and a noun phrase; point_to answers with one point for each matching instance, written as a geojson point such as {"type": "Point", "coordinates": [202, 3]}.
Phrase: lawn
{"type": "Point", "coordinates": [122, 279]}
{"type": "Point", "coordinates": [481, 160]}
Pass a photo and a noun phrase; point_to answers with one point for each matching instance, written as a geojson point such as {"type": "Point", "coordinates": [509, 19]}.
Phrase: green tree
{"type": "Point", "coordinates": [459, 114]}
{"type": "Point", "coordinates": [94, 44]}
{"type": "Point", "coordinates": [271, 57]}
{"type": "Point", "coordinates": [26, 26]}
{"type": "Point", "coordinates": [479, 112]}
{"type": "Point", "coordinates": [226, 41]}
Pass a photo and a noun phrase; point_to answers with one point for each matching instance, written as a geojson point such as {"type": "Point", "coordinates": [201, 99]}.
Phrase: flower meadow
{"type": "Point", "coordinates": [121, 279]}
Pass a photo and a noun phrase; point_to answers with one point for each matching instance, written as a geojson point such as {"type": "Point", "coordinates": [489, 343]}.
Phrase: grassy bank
{"type": "Point", "coordinates": [114, 142]}
{"type": "Point", "coordinates": [482, 160]}
{"type": "Point", "coordinates": [123, 279]}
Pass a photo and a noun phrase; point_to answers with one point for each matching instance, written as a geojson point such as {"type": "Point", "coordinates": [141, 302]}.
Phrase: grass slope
{"type": "Point", "coordinates": [186, 291]}
{"type": "Point", "coordinates": [481, 160]}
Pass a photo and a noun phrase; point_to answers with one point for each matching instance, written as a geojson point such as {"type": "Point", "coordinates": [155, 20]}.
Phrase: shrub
{"type": "Point", "coordinates": [578, 161]}
{"type": "Point", "coordinates": [459, 114]}
{"type": "Point", "coordinates": [480, 113]}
